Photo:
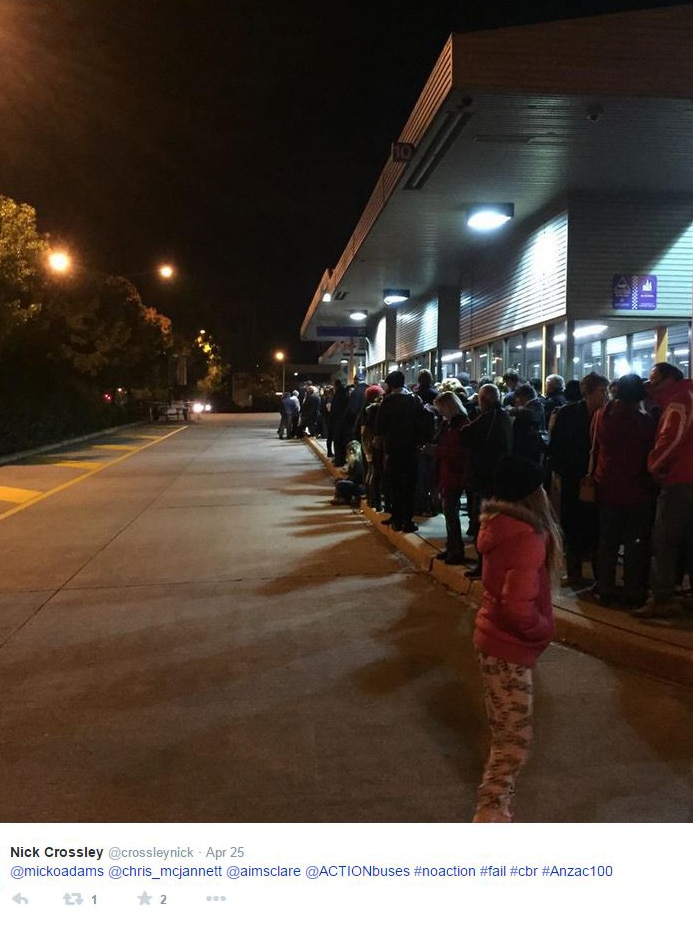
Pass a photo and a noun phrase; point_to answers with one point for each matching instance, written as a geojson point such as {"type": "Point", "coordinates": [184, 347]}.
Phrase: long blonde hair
{"type": "Point", "coordinates": [540, 506]}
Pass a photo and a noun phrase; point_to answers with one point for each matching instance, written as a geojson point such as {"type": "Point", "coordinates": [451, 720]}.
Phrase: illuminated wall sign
{"type": "Point", "coordinates": [637, 293]}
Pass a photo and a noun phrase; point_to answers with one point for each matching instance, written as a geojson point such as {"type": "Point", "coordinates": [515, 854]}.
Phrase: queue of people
{"type": "Point", "coordinates": [630, 442]}
{"type": "Point", "coordinates": [616, 460]}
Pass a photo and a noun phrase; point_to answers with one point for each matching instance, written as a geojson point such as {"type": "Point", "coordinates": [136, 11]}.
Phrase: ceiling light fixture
{"type": "Point", "coordinates": [395, 296]}
{"type": "Point", "coordinates": [589, 330]}
{"type": "Point", "coordinates": [489, 216]}
{"type": "Point", "coordinates": [358, 316]}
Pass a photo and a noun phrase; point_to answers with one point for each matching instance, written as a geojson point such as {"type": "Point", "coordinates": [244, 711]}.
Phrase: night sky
{"type": "Point", "coordinates": [239, 140]}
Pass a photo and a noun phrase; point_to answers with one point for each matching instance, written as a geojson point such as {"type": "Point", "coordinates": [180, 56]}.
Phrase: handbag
{"type": "Point", "coordinates": [587, 492]}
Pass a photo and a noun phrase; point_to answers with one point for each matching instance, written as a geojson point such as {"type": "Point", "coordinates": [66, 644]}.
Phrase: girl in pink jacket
{"type": "Point", "coordinates": [520, 542]}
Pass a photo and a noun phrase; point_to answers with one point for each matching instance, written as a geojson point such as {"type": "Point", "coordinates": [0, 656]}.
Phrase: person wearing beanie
{"type": "Point", "coordinates": [520, 542]}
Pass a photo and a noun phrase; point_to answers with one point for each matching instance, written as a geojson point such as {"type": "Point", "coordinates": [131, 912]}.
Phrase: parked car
{"type": "Point", "coordinates": [177, 411]}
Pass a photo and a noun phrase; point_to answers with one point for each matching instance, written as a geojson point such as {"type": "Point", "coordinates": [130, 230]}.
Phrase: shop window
{"type": "Point", "coordinates": [483, 361]}
{"type": "Point", "coordinates": [516, 354]}
{"type": "Point", "coordinates": [679, 347]}
{"type": "Point", "coordinates": [587, 358]}
{"type": "Point", "coordinates": [468, 363]}
{"type": "Point", "coordinates": [534, 345]}
{"type": "Point", "coordinates": [558, 349]}
{"type": "Point", "coordinates": [497, 359]}
{"type": "Point", "coordinates": [617, 363]}
{"type": "Point", "coordinates": [643, 352]}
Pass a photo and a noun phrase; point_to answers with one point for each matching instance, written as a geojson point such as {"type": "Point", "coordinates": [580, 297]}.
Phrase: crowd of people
{"type": "Point", "coordinates": [616, 457]}
{"type": "Point", "coordinates": [587, 472]}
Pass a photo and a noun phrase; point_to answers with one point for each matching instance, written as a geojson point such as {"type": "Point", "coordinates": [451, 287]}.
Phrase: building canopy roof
{"type": "Point", "coordinates": [525, 115]}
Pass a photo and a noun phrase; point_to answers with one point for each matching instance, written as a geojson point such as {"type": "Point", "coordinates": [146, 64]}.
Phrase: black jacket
{"type": "Point", "coordinates": [401, 423]}
{"type": "Point", "coordinates": [489, 437]}
{"type": "Point", "coordinates": [528, 428]}
{"type": "Point", "coordinates": [569, 448]}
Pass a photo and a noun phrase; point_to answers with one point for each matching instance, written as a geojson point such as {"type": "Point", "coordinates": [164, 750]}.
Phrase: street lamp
{"type": "Point", "coordinates": [280, 357]}
{"type": "Point", "coordinates": [59, 261]}
{"type": "Point", "coordinates": [166, 271]}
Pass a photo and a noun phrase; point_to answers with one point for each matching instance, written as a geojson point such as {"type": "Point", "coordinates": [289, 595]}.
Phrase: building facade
{"type": "Point", "coordinates": [582, 132]}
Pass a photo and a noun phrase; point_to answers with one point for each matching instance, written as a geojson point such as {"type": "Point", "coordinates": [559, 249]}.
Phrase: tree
{"type": "Point", "coordinates": [22, 254]}
{"type": "Point", "coordinates": [105, 332]}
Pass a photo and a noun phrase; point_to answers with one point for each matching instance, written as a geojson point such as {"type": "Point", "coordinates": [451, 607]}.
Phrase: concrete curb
{"type": "Point", "coordinates": [608, 635]}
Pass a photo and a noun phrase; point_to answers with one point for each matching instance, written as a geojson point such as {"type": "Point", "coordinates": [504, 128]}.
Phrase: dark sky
{"type": "Point", "coordinates": [238, 139]}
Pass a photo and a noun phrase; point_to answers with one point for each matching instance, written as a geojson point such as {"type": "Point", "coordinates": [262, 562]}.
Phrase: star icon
{"type": "Point", "coordinates": [145, 899]}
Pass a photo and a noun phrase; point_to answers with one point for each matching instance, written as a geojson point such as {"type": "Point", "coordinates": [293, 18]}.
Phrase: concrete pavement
{"type": "Point", "coordinates": [607, 633]}
{"type": "Point", "coordinates": [192, 633]}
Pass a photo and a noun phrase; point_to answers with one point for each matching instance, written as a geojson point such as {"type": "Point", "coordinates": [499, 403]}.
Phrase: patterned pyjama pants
{"type": "Point", "coordinates": [508, 702]}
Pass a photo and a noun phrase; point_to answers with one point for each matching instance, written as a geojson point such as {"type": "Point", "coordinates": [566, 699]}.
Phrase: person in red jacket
{"type": "Point", "coordinates": [670, 463]}
{"type": "Point", "coordinates": [453, 462]}
{"type": "Point", "coordinates": [623, 434]}
{"type": "Point", "coordinates": [520, 542]}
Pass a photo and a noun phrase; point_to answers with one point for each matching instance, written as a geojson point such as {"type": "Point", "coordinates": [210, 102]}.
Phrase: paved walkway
{"type": "Point", "coordinates": [189, 632]}
{"type": "Point", "coordinates": [608, 633]}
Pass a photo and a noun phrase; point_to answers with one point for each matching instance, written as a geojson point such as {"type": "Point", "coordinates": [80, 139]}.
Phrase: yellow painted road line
{"type": "Point", "coordinates": [111, 446]}
{"type": "Point", "coordinates": [17, 495]}
{"type": "Point", "coordinates": [76, 464]}
{"type": "Point", "coordinates": [87, 475]}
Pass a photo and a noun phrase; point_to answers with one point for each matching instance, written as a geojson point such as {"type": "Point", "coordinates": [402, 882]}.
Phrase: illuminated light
{"type": "Point", "coordinates": [59, 261]}
{"type": "Point", "coordinates": [449, 357]}
{"type": "Point", "coordinates": [590, 330]}
{"type": "Point", "coordinates": [166, 271]}
{"type": "Point", "coordinates": [489, 217]}
{"type": "Point", "coordinates": [545, 254]}
{"type": "Point", "coordinates": [534, 343]}
{"type": "Point", "coordinates": [208, 407]}
{"type": "Point", "coordinates": [482, 356]}
{"type": "Point", "coordinates": [395, 296]}
{"type": "Point", "coordinates": [358, 316]}
{"type": "Point", "coordinates": [393, 367]}
{"type": "Point", "coordinates": [682, 352]}
{"type": "Point", "coordinates": [198, 407]}
{"type": "Point", "coordinates": [622, 367]}
{"type": "Point", "coordinates": [327, 297]}
{"type": "Point", "coordinates": [559, 339]}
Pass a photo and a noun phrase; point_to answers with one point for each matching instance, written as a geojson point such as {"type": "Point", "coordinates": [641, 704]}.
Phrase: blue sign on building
{"type": "Point", "coordinates": [634, 293]}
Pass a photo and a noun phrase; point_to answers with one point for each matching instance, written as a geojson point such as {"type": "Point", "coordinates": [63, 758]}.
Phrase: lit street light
{"type": "Point", "coordinates": [166, 271]}
{"type": "Point", "coordinates": [280, 357]}
{"type": "Point", "coordinates": [59, 261]}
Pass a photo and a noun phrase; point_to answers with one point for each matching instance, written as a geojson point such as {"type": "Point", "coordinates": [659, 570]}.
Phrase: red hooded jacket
{"type": "Point", "coordinates": [671, 460]}
{"type": "Point", "coordinates": [515, 620]}
{"type": "Point", "coordinates": [622, 437]}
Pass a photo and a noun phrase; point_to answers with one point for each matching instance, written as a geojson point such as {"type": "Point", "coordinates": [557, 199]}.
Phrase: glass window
{"type": "Point", "coordinates": [617, 364]}
{"type": "Point", "coordinates": [679, 347]}
{"type": "Point", "coordinates": [587, 358]}
{"type": "Point", "coordinates": [516, 354]}
{"type": "Point", "coordinates": [468, 363]}
{"type": "Point", "coordinates": [556, 349]}
{"type": "Point", "coordinates": [497, 355]}
{"type": "Point", "coordinates": [483, 360]}
{"type": "Point", "coordinates": [643, 352]}
{"type": "Point", "coordinates": [533, 354]}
